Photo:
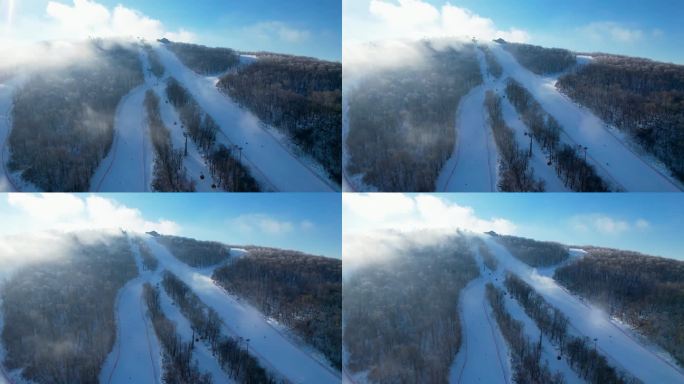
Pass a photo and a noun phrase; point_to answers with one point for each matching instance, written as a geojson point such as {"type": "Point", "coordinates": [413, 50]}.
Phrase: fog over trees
{"type": "Point", "coordinates": [641, 97]}
{"type": "Point", "coordinates": [301, 291]}
{"type": "Point", "coordinates": [300, 96]}
{"type": "Point", "coordinates": [63, 118]}
{"type": "Point", "coordinates": [644, 291]}
{"type": "Point", "coordinates": [195, 253]}
{"type": "Point", "coordinates": [59, 323]}
{"type": "Point", "coordinates": [401, 318]}
{"type": "Point", "coordinates": [541, 60]}
{"type": "Point", "coordinates": [402, 120]}
{"type": "Point", "coordinates": [532, 252]}
{"type": "Point", "coordinates": [201, 59]}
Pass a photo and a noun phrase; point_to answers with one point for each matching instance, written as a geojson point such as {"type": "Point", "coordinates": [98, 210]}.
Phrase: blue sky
{"type": "Point", "coordinates": [308, 222]}
{"type": "Point", "coordinates": [650, 29]}
{"type": "Point", "coordinates": [647, 222]}
{"type": "Point", "coordinates": [306, 27]}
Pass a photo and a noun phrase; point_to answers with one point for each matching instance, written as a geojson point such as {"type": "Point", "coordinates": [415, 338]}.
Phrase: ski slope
{"type": "Point", "coordinates": [136, 356]}
{"type": "Point", "coordinates": [128, 167]}
{"type": "Point", "coordinates": [623, 350]}
{"type": "Point", "coordinates": [614, 161]}
{"type": "Point", "coordinates": [473, 165]}
{"type": "Point", "coordinates": [483, 356]}
{"type": "Point", "coordinates": [269, 161]}
{"type": "Point", "coordinates": [267, 344]}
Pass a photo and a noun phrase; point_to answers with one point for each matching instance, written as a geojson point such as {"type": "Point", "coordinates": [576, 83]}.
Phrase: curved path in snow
{"type": "Point", "coordinates": [266, 343]}
{"type": "Point", "coordinates": [269, 161]}
{"type": "Point", "coordinates": [128, 166]}
{"type": "Point", "coordinates": [611, 157]}
{"type": "Point", "coordinates": [473, 165]}
{"type": "Point", "coordinates": [621, 350]}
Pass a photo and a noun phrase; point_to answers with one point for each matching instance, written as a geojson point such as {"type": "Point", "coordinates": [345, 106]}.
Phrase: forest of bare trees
{"type": "Point", "coordinates": [178, 365]}
{"type": "Point", "coordinates": [526, 354]}
{"type": "Point", "coordinates": [224, 163]}
{"type": "Point", "coordinates": [195, 253]}
{"type": "Point", "coordinates": [646, 292]}
{"type": "Point", "coordinates": [156, 66]}
{"type": "Point", "coordinates": [300, 96]}
{"type": "Point", "coordinates": [493, 65]}
{"type": "Point", "coordinates": [301, 291]}
{"type": "Point", "coordinates": [201, 59]}
{"type": "Point", "coordinates": [149, 261]}
{"type": "Point", "coordinates": [232, 354]}
{"type": "Point", "coordinates": [532, 252]}
{"type": "Point", "coordinates": [59, 323]}
{"type": "Point", "coordinates": [63, 119]}
{"type": "Point", "coordinates": [579, 351]}
{"type": "Point", "coordinates": [541, 60]}
{"type": "Point", "coordinates": [402, 120]}
{"type": "Point", "coordinates": [643, 98]}
{"type": "Point", "coordinates": [515, 173]}
{"type": "Point", "coordinates": [169, 173]}
{"type": "Point", "coordinates": [571, 167]}
{"type": "Point", "coordinates": [401, 318]}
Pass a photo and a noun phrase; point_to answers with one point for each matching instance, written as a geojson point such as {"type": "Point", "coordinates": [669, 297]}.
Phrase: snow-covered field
{"type": "Point", "coordinates": [483, 356]}
{"type": "Point", "coordinates": [268, 159]}
{"type": "Point", "coordinates": [616, 342]}
{"type": "Point", "coordinates": [273, 349]}
{"type": "Point", "coordinates": [129, 164]}
{"type": "Point", "coordinates": [611, 156]}
{"type": "Point", "coordinates": [473, 165]}
{"type": "Point", "coordinates": [136, 356]}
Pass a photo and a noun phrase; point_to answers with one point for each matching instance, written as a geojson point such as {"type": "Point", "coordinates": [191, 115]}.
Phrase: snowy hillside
{"type": "Point", "coordinates": [166, 321]}
{"type": "Point", "coordinates": [540, 139]}
{"type": "Point", "coordinates": [106, 143]}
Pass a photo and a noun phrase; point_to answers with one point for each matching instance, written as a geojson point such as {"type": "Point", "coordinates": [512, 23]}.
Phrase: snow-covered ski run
{"type": "Point", "coordinates": [484, 355]}
{"type": "Point", "coordinates": [274, 350]}
{"type": "Point", "coordinates": [269, 160]}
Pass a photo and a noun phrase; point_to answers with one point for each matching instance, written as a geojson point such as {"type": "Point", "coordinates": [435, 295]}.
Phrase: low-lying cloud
{"type": "Point", "coordinates": [607, 225]}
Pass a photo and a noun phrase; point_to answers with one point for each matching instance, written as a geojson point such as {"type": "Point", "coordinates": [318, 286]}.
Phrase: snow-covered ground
{"type": "Point", "coordinates": [616, 342]}
{"type": "Point", "coordinates": [128, 167]}
{"type": "Point", "coordinates": [136, 356]}
{"type": "Point", "coordinates": [275, 351]}
{"type": "Point", "coordinates": [268, 159]}
{"type": "Point", "coordinates": [472, 166]}
{"type": "Point", "coordinates": [613, 159]}
{"type": "Point", "coordinates": [483, 356]}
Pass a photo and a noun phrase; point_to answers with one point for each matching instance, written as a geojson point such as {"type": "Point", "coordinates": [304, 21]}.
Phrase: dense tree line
{"type": "Point", "coordinates": [149, 261]}
{"type": "Point", "coordinates": [203, 60]}
{"type": "Point", "coordinates": [643, 98]}
{"type": "Point", "coordinates": [232, 354]}
{"type": "Point", "coordinates": [644, 291]}
{"type": "Point", "coordinates": [177, 355]}
{"type": "Point", "coordinates": [495, 68]}
{"type": "Point", "coordinates": [402, 120]}
{"type": "Point", "coordinates": [169, 173]}
{"type": "Point", "coordinates": [63, 119]}
{"type": "Point", "coordinates": [224, 163]}
{"type": "Point", "coordinates": [59, 323]}
{"type": "Point", "coordinates": [300, 96]}
{"type": "Point", "coordinates": [156, 66]}
{"type": "Point", "coordinates": [541, 60]}
{"type": "Point", "coordinates": [526, 355]}
{"type": "Point", "coordinates": [301, 291]}
{"type": "Point", "coordinates": [401, 317]}
{"type": "Point", "coordinates": [195, 253]}
{"type": "Point", "coordinates": [582, 356]}
{"type": "Point", "coordinates": [574, 170]}
{"type": "Point", "coordinates": [532, 252]}
{"type": "Point", "coordinates": [515, 173]}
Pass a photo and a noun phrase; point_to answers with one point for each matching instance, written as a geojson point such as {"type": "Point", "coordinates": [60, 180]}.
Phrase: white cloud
{"type": "Point", "coordinates": [405, 213]}
{"type": "Point", "coordinates": [68, 212]}
{"type": "Point", "coordinates": [608, 31]}
{"type": "Point", "coordinates": [276, 30]}
{"type": "Point", "coordinates": [417, 19]}
{"type": "Point", "coordinates": [81, 19]}
{"type": "Point", "coordinates": [606, 225]}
